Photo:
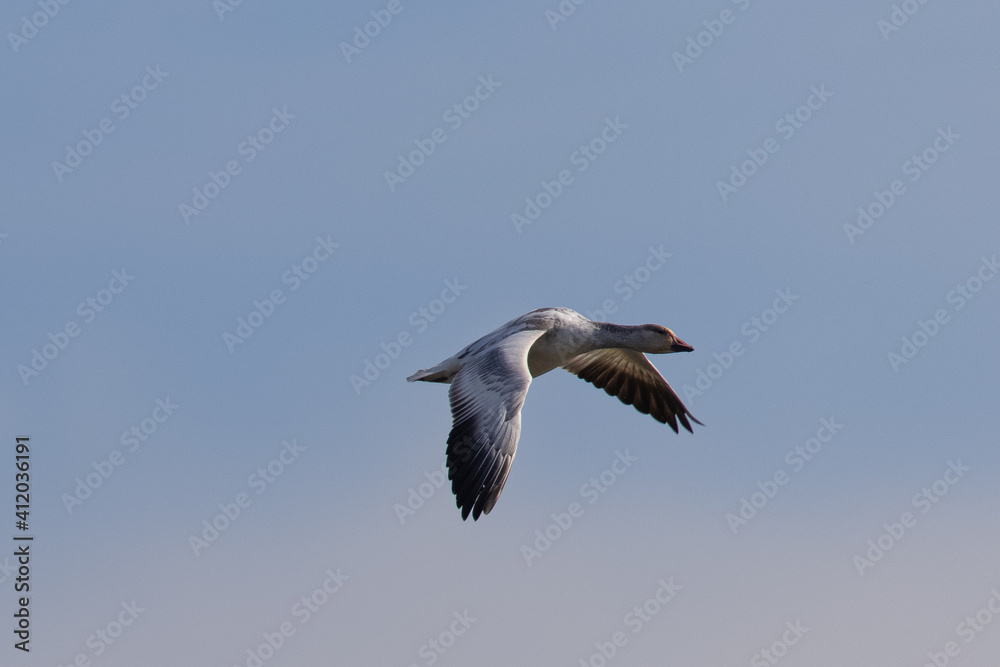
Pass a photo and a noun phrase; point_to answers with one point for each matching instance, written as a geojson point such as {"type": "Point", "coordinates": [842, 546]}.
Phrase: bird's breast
{"type": "Point", "coordinates": [553, 350]}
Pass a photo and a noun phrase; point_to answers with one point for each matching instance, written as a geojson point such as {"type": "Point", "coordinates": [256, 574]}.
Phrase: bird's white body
{"type": "Point", "coordinates": [565, 334]}
{"type": "Point", "coordinates": [490, 377]}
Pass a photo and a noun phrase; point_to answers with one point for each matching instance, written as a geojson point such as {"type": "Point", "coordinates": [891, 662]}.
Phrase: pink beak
{"type": "Point", "coordinates": [681, 346]}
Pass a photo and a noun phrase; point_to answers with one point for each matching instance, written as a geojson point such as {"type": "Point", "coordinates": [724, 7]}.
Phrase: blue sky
{"type": "Point", "coordinates": [700, 167]}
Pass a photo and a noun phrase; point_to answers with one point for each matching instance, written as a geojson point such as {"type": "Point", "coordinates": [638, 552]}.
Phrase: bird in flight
{"type": "Point", "coordinates": [489, 380]}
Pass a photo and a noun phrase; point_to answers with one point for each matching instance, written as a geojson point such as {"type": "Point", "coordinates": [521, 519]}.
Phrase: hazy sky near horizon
{"type": "Point", "coordinates": [229, 233]}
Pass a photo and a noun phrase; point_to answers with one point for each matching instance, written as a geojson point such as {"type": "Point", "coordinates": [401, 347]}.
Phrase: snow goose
{"type": "Point", "coordinates": [489, 380]}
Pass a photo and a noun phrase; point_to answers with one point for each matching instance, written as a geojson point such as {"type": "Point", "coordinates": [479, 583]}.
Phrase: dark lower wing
{"type": "Point", "coordinates": [631, 377]}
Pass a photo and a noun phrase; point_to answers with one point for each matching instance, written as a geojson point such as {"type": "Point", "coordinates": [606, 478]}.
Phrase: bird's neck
{"type": "Point", "coordinates": [618, 335]}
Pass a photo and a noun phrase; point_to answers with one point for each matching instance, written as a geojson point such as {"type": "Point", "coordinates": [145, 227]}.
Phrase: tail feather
{"type": "Point", "coordinates": [436, 374]}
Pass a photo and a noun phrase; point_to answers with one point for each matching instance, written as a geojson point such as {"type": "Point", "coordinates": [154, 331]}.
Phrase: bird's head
{"type": "Point", "coordinates": [661, 340]}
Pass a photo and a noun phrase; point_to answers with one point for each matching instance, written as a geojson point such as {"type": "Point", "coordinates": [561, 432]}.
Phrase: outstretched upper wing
{"type": "Point", "coordinates": [486, 398]}
{"type": "Point", "coordinates": [630, 376]}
